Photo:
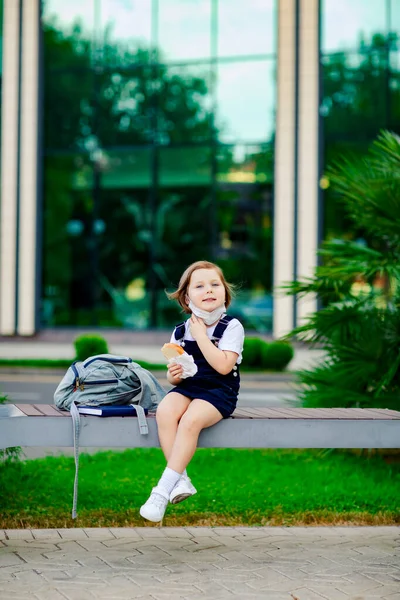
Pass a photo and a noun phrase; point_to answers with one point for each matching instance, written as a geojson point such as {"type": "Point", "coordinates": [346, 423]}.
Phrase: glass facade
{"type": "Point", "coordinates": [158, 141]}
{"type": "Point", "coordinates": [360, 49]}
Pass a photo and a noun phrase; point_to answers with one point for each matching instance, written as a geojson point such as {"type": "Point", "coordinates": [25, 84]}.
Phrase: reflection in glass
{"type": "Point", "coordinates": [66, 265]}
{"type": "Point", "coordinates": [185, 166]}
{"type": "Point", "coordinates": [246, 101]}
{"type": "Point", "coordinates": [346, 25]}
{"type": "Point", "coordinates": [183, 100]}
{"type": "Point", "coordinates": [184, 29]}
{"type": "Point", "coordinates": [68, 122]}
{"type": "Point", "coordinates": [353, 103]}
{"type": "Point", "coordinates": [395, 20]}
{"type": "Point", "coordinates": [123, 109]}
{"type": "Point", "coordinates": [244, 201]}
{"type": "Point", "coordinates": [394, 92]}
{"type": "Point", "coordinates": [123, 204]}
{"type": "Point", "coordinates": [361, 88]}
{"type": "Point", "coordinates": [123, 30]}
{"type": "Point", "coordinates": [246, 28]}
{"type": "Point", "coordinates": [69, 32]}
{"type": "Point", "coordinates": [245, 164]}
{"type": "Point", "coordinates": [153, 165]}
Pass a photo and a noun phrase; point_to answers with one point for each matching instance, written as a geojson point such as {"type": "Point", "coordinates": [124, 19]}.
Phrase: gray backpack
{"type": "Point", "coordinates": [106, 379]}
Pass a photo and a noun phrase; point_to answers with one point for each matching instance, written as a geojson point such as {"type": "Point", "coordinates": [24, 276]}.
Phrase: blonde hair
{"type": "Point", "coordinates": [184, 282]}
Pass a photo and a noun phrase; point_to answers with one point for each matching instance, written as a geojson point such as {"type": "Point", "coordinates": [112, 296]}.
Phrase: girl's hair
{"type": "Point", "coordinates": [181, 292]}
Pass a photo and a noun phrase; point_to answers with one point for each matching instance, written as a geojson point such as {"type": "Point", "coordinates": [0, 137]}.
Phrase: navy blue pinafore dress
{"type": "Point", "coordinates": [207, 384]}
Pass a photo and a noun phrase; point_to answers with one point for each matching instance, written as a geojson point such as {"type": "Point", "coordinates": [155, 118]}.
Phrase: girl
{"type": "Point", "coordinates": [216, 342]}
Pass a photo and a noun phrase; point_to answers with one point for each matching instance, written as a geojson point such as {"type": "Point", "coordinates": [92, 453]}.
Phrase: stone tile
{"type": "Point", "coordinates": [150, 532]}
{"type": "Point", "coordinates": [41, 534]}
{"type": "Point", "coordinates": [73, 534]}
{"type": "Point", "coordinates": [200, 531]}
{"type": "Point", "coordinates": [125, 532]}
{"type": "Point", "coordinates": [177, 532]}
{"type": "Point", "coordinates": [18, 534]}
{"type": "Point", "coordinates": [98, 533]}
{"type": "Point", "coordinates": [202, 563]}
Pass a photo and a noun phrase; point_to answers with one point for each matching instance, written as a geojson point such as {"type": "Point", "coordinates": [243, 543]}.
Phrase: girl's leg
{"type": "Point", "coordinates": [199, 415]}
{"type": "Point", "coordinates": [169, 413]}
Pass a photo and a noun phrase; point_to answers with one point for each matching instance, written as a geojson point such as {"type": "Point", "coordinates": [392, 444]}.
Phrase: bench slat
{"type": "Point", "coordinates": [29, 410]}
{"type": "Point", "coordinates": [48, 410]}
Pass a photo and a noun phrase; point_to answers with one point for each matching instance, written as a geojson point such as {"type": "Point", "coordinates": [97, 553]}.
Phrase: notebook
{"type": "Point", "coordinates": [110, 411]}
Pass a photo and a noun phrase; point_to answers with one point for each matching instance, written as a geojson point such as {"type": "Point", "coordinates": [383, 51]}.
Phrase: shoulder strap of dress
{"type": "Point", "coordinates": [220, 328]}
{"type": "Point", "coordinates": [179, 331]}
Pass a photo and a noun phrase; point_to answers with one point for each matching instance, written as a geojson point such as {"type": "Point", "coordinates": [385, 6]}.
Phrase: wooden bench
{"type": "Point", "coordinates": [29, 425]}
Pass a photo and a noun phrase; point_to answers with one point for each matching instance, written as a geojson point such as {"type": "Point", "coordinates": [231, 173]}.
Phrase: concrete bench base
{"type": "Point", "coordinates": [30, 425]}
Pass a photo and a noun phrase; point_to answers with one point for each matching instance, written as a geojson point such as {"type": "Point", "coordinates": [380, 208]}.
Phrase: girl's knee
{"type": "Point", "coordinates": [191, 423]}
{"type": "Point", "coordinates": [169, 412]}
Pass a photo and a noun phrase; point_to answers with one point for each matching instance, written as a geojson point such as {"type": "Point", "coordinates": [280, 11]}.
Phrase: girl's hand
{"type": "Point", "coordinates": [197, 327]}
{"type": "Point", "coordinates": [175, 370]}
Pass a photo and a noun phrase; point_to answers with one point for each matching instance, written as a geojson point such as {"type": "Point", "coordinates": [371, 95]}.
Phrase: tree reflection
{"type": "Point", "coordinates": [131, 143]}
{"type": "Point", "coordinates": [361, 95]}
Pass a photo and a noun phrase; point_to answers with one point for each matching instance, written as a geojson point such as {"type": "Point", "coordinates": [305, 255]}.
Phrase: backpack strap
{"type": "Point", "coordinates": [179, 331]}
{"type": "Point", "coordinates": [220, 328]}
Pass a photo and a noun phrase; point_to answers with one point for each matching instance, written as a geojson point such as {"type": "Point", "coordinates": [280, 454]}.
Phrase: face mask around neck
{"type": "Point", "coordinates": [208, 317]}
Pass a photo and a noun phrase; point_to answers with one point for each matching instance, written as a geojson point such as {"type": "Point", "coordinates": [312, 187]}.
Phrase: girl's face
{"type": "Point", "coordinates": [206, 289]}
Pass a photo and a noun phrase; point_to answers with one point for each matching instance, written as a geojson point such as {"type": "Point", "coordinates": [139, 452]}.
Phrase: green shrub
{"type": "Point", "coordinates": [252, 352]}
{"type": "Point", "coordinates": [88, 345]}
{"type": "Point", "coordinates": [273, 356]}
{"type": "Point", "coordinates": [8, 454]}
{"type": "Point", "coordinates": [276, 355]}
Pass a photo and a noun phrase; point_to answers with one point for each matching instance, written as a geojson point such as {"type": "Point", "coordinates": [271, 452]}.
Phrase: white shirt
{"type": "Point", "coordinates": [232, 338]}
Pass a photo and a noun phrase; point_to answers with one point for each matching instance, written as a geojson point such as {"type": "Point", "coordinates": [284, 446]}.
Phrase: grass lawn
{"type": "Point", "coordinates": [235, 487]}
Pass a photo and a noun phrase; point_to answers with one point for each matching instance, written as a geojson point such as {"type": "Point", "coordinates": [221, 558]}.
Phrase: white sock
{"type": "Point", "coordinates": [185, 475]}
{"type": "Point", "coordinates": [168, 480]}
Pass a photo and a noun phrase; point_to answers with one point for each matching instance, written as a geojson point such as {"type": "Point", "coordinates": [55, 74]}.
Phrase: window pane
{"type": "Point", "coordinates": [394, 92]}
{"type": "Point", "coordinates": [184, 29]}
{"type": "Point", "coordinates": [353, 102]}
{"type": "Point", "coordinates": [185, 166]}
{"type": "Point", "coordinates": [67, 279]}
{"type": "Point", "coordinates": [124, 104]}
{"type": "Point", "coordinates": [68, 32]}
{"type": "Point", "coordinates": [246, 101]}
{"type": "Point", "coordinates": [245, 164]}
{"type": "Point", "coordinates": [184, 104]}
{"type": "Point", "coordinates": [69, 111]}
{"type": "Point", "coordinates": [246, 28]}
{"type": "Point", "coordinates": [124, 235]}
{"type": "Point", "coordinates": [123, 30]}
{"type": "Point", "coordinates": [345, 25]}
{"type": "Point", "coordinates": [244, 197]}
{"type": "Point", "coordinates": [395, 19]}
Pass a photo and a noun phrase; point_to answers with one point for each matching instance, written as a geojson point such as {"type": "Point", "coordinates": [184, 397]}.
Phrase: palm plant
{"type": "Point", "coordinates": [359, 329]}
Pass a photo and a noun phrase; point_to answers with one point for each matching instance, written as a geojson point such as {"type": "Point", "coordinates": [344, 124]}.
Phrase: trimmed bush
{"type": "Point", "coordinates": [273, 356]}
{"type": "Point", "coordinates": [276, 355]}
{"type": "Point", "coordinates": [252, 352]}
{"type": "Point", "coordinates": [88, 345]}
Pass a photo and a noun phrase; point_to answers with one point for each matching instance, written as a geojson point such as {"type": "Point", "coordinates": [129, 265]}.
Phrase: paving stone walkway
{"type": "Point", "coordinates": [201, 563]}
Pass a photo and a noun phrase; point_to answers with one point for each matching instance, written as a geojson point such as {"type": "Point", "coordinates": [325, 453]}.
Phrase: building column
{"type": "Point", "coordinates": [29, 246]}
{"type": "Point", "coordinates": [284, 185]}
{"type": "Point", "coordinates": [308, 149]}
{"type": "Point", "coordinates": [19, 263]}
{"type": "Point", "coordinates": [9, 165]}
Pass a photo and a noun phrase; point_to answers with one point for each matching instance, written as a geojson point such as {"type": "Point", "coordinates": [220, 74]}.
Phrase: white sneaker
{"type": "Point", "coordinates": [154, 508]}
{"type": "Point", "coordinates": [183, 489]}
